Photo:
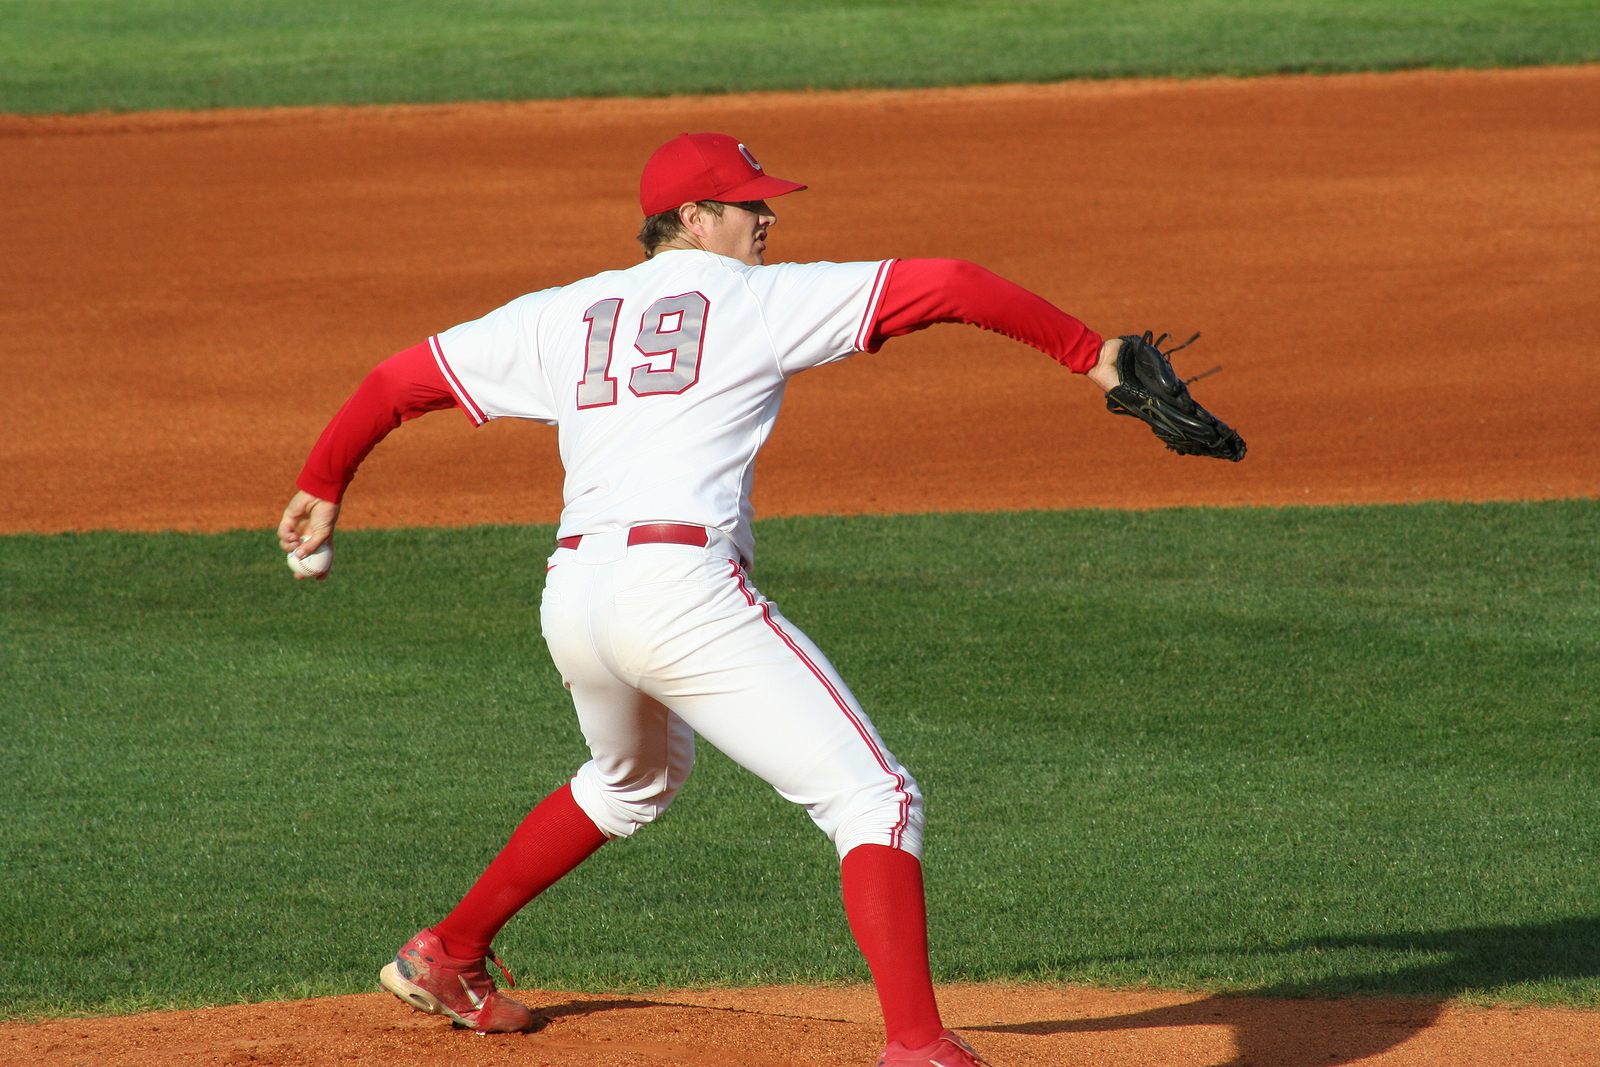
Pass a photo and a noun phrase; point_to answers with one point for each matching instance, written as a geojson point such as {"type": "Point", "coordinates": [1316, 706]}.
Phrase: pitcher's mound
{"type": "Point", "coordinates": [829, 1026]}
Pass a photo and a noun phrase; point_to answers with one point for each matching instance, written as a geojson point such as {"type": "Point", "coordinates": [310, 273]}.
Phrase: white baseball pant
{"type": "Point", "coordinates": [660, 641]}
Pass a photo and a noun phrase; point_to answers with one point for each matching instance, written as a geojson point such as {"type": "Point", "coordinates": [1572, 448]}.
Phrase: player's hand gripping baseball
{"type": "Point", "coordinates": [308, 521]}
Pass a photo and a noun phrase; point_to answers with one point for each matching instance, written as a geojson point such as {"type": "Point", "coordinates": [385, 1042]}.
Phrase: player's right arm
{"type": "Point", "coordinates": [400, 388]}
{"type": "Point", "coordinates": [307, 522]}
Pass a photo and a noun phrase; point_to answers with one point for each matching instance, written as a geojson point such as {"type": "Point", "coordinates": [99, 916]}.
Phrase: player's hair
{"type": "Point", "coordinates": [660, 228]}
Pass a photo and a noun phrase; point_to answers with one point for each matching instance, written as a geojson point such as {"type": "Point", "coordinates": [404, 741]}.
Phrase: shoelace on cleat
{"type": "Point", "coordinates": [511, 983]}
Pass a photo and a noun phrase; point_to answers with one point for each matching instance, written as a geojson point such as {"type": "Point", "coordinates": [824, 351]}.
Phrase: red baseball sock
{"type": "Point", "coordinates": [884, 903]}
{"type": "Point", "coordinates": [554, 838]}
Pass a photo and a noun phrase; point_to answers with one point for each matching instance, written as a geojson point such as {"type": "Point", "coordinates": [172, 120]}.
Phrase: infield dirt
{"type": "Point", "coordinates": [831, 1026]}
{"type": "Point", "coordinates": [1396, 272]}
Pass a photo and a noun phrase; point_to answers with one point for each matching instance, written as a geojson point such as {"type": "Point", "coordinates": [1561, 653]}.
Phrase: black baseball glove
{"type": "Point", "coordinates": [1151, 390]}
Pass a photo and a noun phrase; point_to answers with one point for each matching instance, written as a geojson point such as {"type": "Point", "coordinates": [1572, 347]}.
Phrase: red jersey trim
{"type": "Point", "coordinates": [869, 321]}
{"type": "Point", "coordinates": [464, 398]}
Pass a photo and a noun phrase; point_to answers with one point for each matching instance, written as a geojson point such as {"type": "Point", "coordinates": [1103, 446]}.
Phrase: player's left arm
{"type": "Point", "coordinates": [922, 292]}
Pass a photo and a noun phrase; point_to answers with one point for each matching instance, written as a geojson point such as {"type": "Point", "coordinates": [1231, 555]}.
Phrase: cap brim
{"type": "Point", "coordinates": [759, 188]}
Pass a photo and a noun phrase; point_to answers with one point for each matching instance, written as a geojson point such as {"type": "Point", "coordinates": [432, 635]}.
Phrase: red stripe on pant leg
{"type": "Point", "coordinates": [896, 834]}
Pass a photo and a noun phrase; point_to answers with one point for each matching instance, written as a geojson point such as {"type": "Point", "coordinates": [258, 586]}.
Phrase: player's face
{"type": "Point", "coordinates": [741, 232]}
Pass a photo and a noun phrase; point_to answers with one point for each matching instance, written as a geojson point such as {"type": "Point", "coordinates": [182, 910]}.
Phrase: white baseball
{"type": "Point", "coordinates": [315, 564]}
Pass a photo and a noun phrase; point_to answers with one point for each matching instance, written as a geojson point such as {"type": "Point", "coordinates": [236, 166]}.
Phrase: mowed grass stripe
{"type": "Point", "coordinates": [86, 55]}
{"type": "Point", "coordinates": [1285, 750]}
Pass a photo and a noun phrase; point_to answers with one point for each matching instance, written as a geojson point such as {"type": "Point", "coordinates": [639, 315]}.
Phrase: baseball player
{"type": "Point", "coordinates": [664, 380]}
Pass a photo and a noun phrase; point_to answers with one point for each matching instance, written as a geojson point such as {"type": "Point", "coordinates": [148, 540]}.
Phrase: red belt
{"type": "Point", "coordinates": [655, 533]}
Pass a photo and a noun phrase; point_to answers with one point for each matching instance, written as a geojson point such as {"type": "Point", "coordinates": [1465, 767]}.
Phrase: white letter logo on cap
{"type": "Point", "coordinates": [748, 158]}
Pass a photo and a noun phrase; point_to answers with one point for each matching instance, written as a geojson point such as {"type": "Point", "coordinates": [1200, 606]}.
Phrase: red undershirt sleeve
{"type": "Point", "coordinates": [921, 292]}
{"type": "Point", "coordinates": [400, 388]}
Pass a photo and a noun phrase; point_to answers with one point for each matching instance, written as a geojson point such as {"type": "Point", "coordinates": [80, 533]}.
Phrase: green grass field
{"type": "Point", "coordinates": [1289, 751]}
{"type": "Point", "coordinates": [85, 55]}
{"type": "Point", "coordinates": [1295, 751]}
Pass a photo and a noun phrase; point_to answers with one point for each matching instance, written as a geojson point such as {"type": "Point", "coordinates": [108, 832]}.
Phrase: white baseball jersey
{"type": "Point", "coordinates": [664, 379]}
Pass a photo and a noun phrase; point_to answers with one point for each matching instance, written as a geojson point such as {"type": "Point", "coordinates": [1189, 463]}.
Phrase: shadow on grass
{"type": "Point", "coordinates": [1477, 959]}
{"type": "Point", "coordinates": [1305, 1032]}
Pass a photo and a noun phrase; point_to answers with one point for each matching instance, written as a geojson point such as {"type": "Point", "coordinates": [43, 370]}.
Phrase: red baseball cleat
{"type": "Point", "coordinates": [427, 978]}
{"type": "Point", "coordinates": [946, 1050]}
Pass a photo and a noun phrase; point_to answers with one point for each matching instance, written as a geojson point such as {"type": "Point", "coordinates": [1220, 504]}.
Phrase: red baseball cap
{"type": "Point", "coordinates": [705, 166]}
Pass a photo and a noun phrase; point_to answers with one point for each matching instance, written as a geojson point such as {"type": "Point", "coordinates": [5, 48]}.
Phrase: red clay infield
{"type": "Point", "coordinates": [832, 1026]}
{"type": "Point", "coordinates": [1396, 272]}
